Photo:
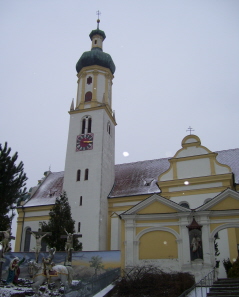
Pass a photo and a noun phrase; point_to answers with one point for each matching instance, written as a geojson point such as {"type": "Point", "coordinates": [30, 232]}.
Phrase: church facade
{"type": "Point", "coordinates": [170, 212]}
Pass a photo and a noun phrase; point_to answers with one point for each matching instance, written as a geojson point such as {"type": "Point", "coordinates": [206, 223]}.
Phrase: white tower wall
{"type": "Point", "coordinates": [92, 214]}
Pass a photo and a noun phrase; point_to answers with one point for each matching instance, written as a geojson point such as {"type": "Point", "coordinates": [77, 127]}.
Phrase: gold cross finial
{"type": "Point", "coordinates": [98, 21]}
{"type": "Point", "coordinates": [190, 130]}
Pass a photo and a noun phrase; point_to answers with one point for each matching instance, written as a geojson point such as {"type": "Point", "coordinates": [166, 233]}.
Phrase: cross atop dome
{"type": "Point", "coordinates": [98, 20]}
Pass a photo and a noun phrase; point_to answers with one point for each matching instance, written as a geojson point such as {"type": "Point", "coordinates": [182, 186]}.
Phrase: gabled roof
{"type": "Point", "coordinates": [230, 158]}
{"type": "Point", "coordinates": [131, 179]}
{"type": "Point", "coordinates": [48, 190]}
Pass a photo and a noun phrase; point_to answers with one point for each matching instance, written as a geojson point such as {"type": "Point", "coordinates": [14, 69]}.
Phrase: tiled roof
{"type": "Point", "coordinates": [230, 158]}
{"type": "Point", "coordinates": [138, 178]}
{"type": "Point", "coordinates": [130, 177]}
{"type": "Point", "coordinates": [48, 190]}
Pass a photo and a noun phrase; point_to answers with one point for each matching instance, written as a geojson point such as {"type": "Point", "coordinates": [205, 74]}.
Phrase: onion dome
{"type": "Point", "coordinates": [96, 56]}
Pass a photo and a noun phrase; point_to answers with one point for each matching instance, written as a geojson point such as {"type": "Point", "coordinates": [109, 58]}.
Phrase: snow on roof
{"type": "Point", "coordinates": [131, 178]}
{"type": "Point", "coordinates": [230, 158]}
{"type": "Point", "coordinates": [48, 191]}
{"type": "Point", "coordinates": [138, 178]}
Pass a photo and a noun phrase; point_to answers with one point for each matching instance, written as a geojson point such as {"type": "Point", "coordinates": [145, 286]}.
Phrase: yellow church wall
{"type": "Point", "coordinates": [22, 218]}
{"type": "Point", "coordinates": [157, 207]}
{"type": "Point", "coordinates": [237, 235]}
{"type": "Point", "coordinates": [139, 229]}
{"type": "Point", "coordinates": [224, 218]}
{"type": "Point", "coordinates": [198, 191]}
{"type": "Point", "coordinates": [175, 228]}
{"type": "Point", "coordinates": [121, 208]}
{"type": "Point", "coordinates": [225, 179]}
{"type": "Point", "coordinates": [232, 240]}
{"type": "Point", "coordinates": [158, 245]}
{"type": "Point", "coordinates": [228, 203]}
{"type": "Point", "coordinates": [215, 225]}
{"type": "Point", "coordinates": [37, 218]}
{"type": "Point", "coordinates": [122, 247]}
{"type": "Point", "coordinates": [157, 221]}
{"type": "Point", "coordinates": [19, 232]}
{"type": "Point", "coordinates": [113, 207]}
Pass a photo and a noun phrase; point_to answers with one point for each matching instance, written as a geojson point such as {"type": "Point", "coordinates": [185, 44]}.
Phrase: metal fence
{"type": "Point", "coordinates": [94, 284]}
{"type": "Point", "coordinates": [201, 288]}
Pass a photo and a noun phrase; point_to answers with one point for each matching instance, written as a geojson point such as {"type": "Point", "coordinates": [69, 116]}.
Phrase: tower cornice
{"type": "Point", "coordinates": [103, 106]}
{"type": "Point", "coordinates": [94, 68]}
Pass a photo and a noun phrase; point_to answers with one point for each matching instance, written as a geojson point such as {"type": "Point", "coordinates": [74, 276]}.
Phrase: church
{"type": "Point", "coordinates": [169, 212]}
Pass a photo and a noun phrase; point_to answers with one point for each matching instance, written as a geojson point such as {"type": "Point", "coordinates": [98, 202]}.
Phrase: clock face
{"type": "Point", "coordinates": [84, 142]}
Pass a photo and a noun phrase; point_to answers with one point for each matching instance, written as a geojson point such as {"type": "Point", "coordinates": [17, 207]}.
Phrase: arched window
{"type": "Point", "coordinates": [83, 126]}
{"type": "Point", "coordinates": [86, 174]}
{"type": "Point", "coordinates": [184, 204]}
{"type": "Point", "coordinates": [79, 225]}
{"type": "Point", "coordinates": [86, 125]}
{"type": "Point", "coordinates": [89, 80]}
{"type": "Point", "coordinates": [27, 240]}
{"type": "Point", "coordinates": [89, 125]}
{"type": "Point", "coordinates": [88, 96]}
{"type": "Point", "coordinates": [78, 175]}
{"type": "Point", "coordinates": [80, 200]}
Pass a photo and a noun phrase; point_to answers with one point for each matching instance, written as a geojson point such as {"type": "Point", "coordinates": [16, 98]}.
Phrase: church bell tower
{"type": "Point", "coordinates": [90, 156]}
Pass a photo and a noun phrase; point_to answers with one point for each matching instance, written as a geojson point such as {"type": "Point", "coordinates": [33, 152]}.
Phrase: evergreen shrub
{"type": "Point", "coordinates": [151, 281]}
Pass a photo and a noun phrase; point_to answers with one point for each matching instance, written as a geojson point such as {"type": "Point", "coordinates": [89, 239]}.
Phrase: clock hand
{"type": "Point", "coordinates": [87, 141]}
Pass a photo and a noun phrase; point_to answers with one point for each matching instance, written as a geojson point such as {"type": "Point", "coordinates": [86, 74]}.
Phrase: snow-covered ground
{"type": "Point", "coordinates": [7, 292]}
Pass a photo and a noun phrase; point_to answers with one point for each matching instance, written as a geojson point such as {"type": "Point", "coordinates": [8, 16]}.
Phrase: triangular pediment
{"type": "Point", "coordinates": [156, 204]}
{"type": "Point", "coordinates": [226, 200]}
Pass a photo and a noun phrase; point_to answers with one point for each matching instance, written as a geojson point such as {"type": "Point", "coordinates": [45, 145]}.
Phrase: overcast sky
{"type": "Point", "coordinates": [177, 65]}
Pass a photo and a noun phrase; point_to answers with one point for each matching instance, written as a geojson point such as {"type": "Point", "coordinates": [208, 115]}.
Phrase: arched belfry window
{"type": "Point", "coordinates": [86, 174]}
{"type": "Point", "coordinates": [89, 125]}
{"type": "Point", "coordinates": [89, 80]}
{"type": "Point", "coordinates": [27, 240]}
{"type": "Point", "coordinates": [86, 126]}
{"type": "Point", "coordinates": [88, 96]}
{"type": "Point", "coordinates": [78, 175]}
{"type": "Point", "coordinates": [83, 126]}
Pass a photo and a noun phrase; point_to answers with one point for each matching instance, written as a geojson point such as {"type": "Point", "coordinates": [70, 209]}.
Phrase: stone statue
{"type": "Point", "coordinates": [38, 243]}
{"type": "Point", "coordinates": [6, 240]}
{"type": "Point", "coordinates": [14, 271]}
{"type": "Point", "coordinates": [69, 245]}
{"type": "Point", "coordinates": [69, 241]}
{"type": "Point", "coordinates": [48, 263]}
{"type": "Point", "coordinates": [196, 247]}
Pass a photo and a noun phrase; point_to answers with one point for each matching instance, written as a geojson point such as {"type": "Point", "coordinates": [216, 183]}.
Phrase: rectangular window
{"type": "Point", "coordinates": [80, 200]}
{"type": "Point", "coordinates": [89, 125]}
{"type": "Point", "coordinates": [79, 225]}
{"type": "Point", "coordinates": [86, 174]}
{"type": "Point", "coordinates": [78, 175]}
